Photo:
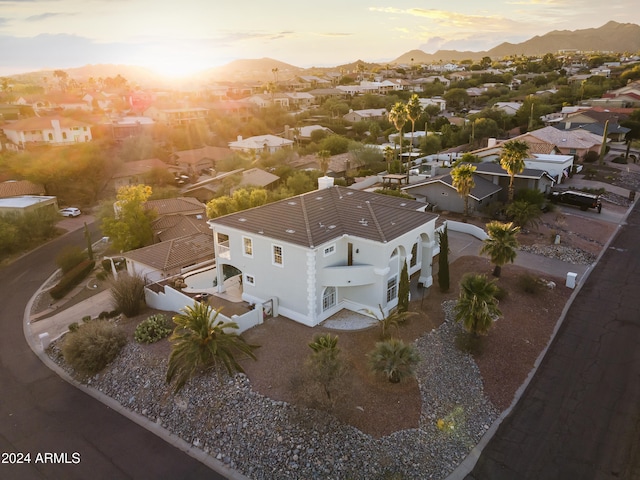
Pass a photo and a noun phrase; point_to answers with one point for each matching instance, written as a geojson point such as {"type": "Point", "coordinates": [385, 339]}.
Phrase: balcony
{"type": "Point", "coordinates": [349, 276]}
{"type": "Point", "coordinates": [223, 251]}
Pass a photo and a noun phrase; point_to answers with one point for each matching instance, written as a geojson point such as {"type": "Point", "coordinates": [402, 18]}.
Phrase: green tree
{"type": "Point", "coordinates": [462, 181]}
{"type": "Point", "coordinates": [398, 116]}
{"type": "Point", "coordinates": [404, 289]}
{"type": "Point", "coordinates": [443, 259]}
{"type": "Point", "coordinates": [130, 225]}
{"type": "Point", "coordinates": [512, 161]}
{"type": "Point", "coordinates": [501, 244]}
{"type": "Point", "coordinates": [200, 341]}
{"type": "Point", "coordinates": [524, 214]}
{"type": "Point", "coordinates": [477, 304]}
{"type": "Point", "coordinates": [394, 359]}
{"type": "Point", "coordinates": [456, 97]}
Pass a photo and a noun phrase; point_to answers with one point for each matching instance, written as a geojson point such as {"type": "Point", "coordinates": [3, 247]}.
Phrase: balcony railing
{"type": "Point", "coordinates": [224, 251]}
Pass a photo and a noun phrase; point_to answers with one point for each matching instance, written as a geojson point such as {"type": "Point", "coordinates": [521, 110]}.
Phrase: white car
{"type": "Point", "coordinates": [70, 212]}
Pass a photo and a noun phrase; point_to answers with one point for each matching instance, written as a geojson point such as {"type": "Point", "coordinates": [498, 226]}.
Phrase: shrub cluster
{"type": "Point", "coordinates": [153, 329]}
{"type": "Point", "coordinates": [529, 283]}
{"type": "Point", "coordinates": [92, 346]}
{"type": "Point", "coordinates": [72, 278]}
{"type": "Point", "coordinates": [70, 257]}
{"type": "Point", "coordinates": [105, 315]}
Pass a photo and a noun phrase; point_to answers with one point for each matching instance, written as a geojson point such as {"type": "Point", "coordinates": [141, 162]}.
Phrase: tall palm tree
{"type": "Point", "coordinates": [200, 341]}
{"type": "Point", "coordinates": [414, 110]}
{"type": "Point", "coordinates": [462, 181]}
{"type": "Point", "coordinates": [501, 244]}
{"type": "Point", "coordinates": [394, 358]}
{"type": "Point", "coordinates": [324, 156]}
{"type": "Point", "coordinates": [388, 156]}
{"type": "Point", "coordinates": [477, 304]}
{"type": "Point", "coordinates": [512, 160]}
{"type": "Point", "coordinates": [398, 116]}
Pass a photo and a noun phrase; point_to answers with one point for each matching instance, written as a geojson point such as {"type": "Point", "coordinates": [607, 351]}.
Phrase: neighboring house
{"type": "Point", "coordinates": [303, 134]}
{"type": "Point", "coordinates": [134, 173]}
{"type": "Point", "coordinates": [176, 116]}
{"type": "Point", "coordinates": [368, 114]}
{"type": "Point", "coordinates": [327, 250]}
{"type": "Point", "coordinates": [127, 127]}
{"type": "Point", "coordinates": [530, 179]}
{"type": "Point", "coordinates": [185, 206]}
{"type": "Point", "coordinates": [441, 195]}
{"type": "Point", "coordinates": [172, 257]}
{"type": "Point", "coordinates": [16, 188]}
{"type": "Point", "coordinates": [9, 112]}
{"type": "Point", "coordinates": [199, 160]}
{"type": "Point", "coordinates": [509, 108]}
{"type": "Point", "coordinates": [27, 203]}
{"type": "Point", "coordinates": [240, 109]}
{"type": "Point", "coordinates": [260, 143]}
{"type": "Point", "coordinates": [46, 130]}
{"type": "Point", "coordinates": [170, 227]}
{"type": "Point", "coordinates": [264, 100]}
{"type": "Point", "coordinates": [441, 103]}
{"type": "Point", "coordinates": [322, 94]}
{"type": "Point", "coordinates": [568, 142]}
{"type": "Point", "coordinates": [300, 99]}
{"type": "Point", "coordinates": [208, 188]}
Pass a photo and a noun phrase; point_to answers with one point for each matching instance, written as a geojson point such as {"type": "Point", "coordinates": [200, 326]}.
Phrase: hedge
{"type": "Point", "coordinates": [72, 278]}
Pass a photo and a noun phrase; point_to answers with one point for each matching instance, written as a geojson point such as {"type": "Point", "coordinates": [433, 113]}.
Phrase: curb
{"type": "Point", "coordinates": [468, 464]}
{"type": "Point", "coordinates": [141, 420]}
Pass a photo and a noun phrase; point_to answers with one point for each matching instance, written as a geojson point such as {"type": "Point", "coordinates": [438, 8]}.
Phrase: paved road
{"type": "Point", "coordinates": [580, 416]}
{"type": "Point", "coordinates": [41, 413]}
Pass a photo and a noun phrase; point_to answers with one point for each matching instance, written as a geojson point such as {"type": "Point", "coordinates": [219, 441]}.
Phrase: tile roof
{"type": "Point", "coordinates": [171, 227]}
{"type": "Point", "coordinates": [207, 152]}
{"type": "Point", "coordinates": [258, 178]}
{"type": "Point", "coordinates": [491, 168]}
{"type": "Point", "coordinates": [564, 138]}
{"type": "Point", "coordinates": [169, 206]}
{"type": "Point", "coordinates": [139, 167]}
{"type": "Point", "coordinates": [15, 188]}
{"type": "Point", "coordinates": [483, 188]}
{"type": "Point", "coordinates": [320, 216]}
{"type": "Point", "coordinates": [176, 253]}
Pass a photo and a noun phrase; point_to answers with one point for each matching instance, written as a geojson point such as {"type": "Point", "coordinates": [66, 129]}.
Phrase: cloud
{"type": "Point", "coordinates": [43, 16]}
{"type": "Point", "coordinates": [334, 34]}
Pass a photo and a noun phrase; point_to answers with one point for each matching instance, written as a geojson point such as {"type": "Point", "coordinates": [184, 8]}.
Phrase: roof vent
{"type": "Point", "coordinates": [290, 230]}
{"type": "Point", "coordinates": [242, 219]}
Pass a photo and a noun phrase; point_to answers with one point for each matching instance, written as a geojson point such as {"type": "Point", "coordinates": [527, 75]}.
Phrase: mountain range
{"type": "Point", "coordinates": [611, 37]}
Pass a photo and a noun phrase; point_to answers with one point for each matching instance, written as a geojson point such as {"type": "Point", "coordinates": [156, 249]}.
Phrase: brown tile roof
{"type": "Point", "coordinates": [14, 188]}
{"type": "Point", "coordinates": [170, 206]}
{"type": "Point", "coordinates": [258, 178]}
{"type": "Point", "coordinates": [170, 227]}
{"type": "Point", "coordinates": [177, 253]}
{"type": "Point", "coordinates": [196, 155]}
{"type": "Point", "coordinates": [317, 217]}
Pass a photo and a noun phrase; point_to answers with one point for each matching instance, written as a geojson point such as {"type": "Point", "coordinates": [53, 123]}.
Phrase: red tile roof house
{"type": "Point", "coordinates": [327, 250]}
{"type": "Point", "coordinates": [46, 130]}
{"type": "Point", "coordinates": [133, 173]}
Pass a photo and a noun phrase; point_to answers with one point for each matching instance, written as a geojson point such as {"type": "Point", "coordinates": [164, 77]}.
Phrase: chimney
{"type": "Point", "coordinates": [491, 142]}
{"type": "Point", "coordinates": [239, 138]}
{"type": "Point", "coordinates": [325, 182]}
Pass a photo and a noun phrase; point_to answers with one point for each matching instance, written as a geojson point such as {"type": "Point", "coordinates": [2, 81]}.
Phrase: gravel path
{"type": "Point", "coordinates": [267, 439]}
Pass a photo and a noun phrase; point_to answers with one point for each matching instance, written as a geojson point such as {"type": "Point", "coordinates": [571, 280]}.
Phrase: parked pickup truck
{"type": "Point", "coordinates": [583, 200]}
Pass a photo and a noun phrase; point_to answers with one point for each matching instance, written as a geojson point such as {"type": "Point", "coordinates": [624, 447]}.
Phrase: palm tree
{"type": "Point", "coordinates": [477, 304]}
{"type": "Point", "coordinates": [414, 110]}
{"type": "Point", "coordinates": [394, 319]}
{"type": "Point", "coordinates": [524, 214]}
{"type": "Point", "coordinates": [388, 156]}
{"type": "Point", "coordinates": [398, 116]}
{"type": "Point", "coordinates": [199, 342]}
{"type": "Point", "coordinates": [501, 244]}
{"type": "Point", "coordinates": [512, 160]}
{"type": "Point", "coordinates": [325, 364]}
{"type": "Point", "coordinates": [324, 160]}
{"type": "Point", "coordinates": [394, 358]}
{"type": "Point", "coordinates": [462, 181]}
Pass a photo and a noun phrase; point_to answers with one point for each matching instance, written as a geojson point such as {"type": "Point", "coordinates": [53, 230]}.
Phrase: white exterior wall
{"type": "Point", "coordinates": [552, 164]}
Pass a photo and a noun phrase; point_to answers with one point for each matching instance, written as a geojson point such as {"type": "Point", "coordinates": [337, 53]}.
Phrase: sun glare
{"type": "Point", "coordinates": [173, 68]}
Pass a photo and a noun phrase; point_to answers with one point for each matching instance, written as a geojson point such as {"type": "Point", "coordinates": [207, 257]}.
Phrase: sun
{"type": "Point", "coordinates": [176, 68]}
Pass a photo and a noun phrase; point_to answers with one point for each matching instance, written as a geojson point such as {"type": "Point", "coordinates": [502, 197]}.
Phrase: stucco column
{"type": "Point", "coordinates": [312, 289]}
{"type": "Point", "coordinates": [426, 270]}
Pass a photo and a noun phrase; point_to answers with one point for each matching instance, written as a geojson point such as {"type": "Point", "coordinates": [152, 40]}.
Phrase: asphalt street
{"type": "Point", "coordinates": [579, 417]}
{"type": "Point", "coordinates": [42, 415]}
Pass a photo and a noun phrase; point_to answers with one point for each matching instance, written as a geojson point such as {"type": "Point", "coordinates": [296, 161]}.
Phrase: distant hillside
{"type": "Point", "coordinates": [261, 70]}
{"type": "Point", "coordinates": [611, 37]}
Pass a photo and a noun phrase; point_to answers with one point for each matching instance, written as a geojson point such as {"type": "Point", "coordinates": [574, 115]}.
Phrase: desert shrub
{"type": "Point", "coordinates": [501, 293]}
{"type": "Point", "coordinates": [70, 279]}
{"type": "Point", "coordinates": [127, 292]}
{"type": "Point", "coordinates": [69, 257]}
{"type": "Point", "coordinates": [114, 313]}
{"type": "Point", "coordinates": [93, 346]}
{"type": "Point", "coordinates": [590, 157]}
{"type": "Point", "coordinates": [494, 209]}
{"type": "Point", "coordinates": [102, 276]}
{"type": "Point", "coordinates": [153, 329]}
{"type": "Point", "coordinates": [620, 159]}
{"type": "Point", "coordinates": [394, 359]}
{"type": "Point", "coordinates": [529, 283]}
{"type": "Point", "coordinates": [73, 327]}
{"type": "Point", "coordinates": [106, 264]}
{"type": "Point", "coordinates": [86, 318]}
{"type": "Point", "coordinates": [103, 315]}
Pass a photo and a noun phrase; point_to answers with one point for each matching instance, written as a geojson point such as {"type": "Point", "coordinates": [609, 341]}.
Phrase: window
{"type": "Point", "coordinates": [392, 288]}
{"type": "Point", "coordinates": [247, 246]}
{"type": "Point", "coordinates": [328, 298]}
{"type": "Point", "coordinates": [331, 249]}
{"type": "Point", "coordinates": [64, 135]}
{"type": "Point", "coordinates": [250, 280]}
{"type": "Point", "coordinates": [277, 255]}
{"type": "Point", "coordinates": [414, 255]}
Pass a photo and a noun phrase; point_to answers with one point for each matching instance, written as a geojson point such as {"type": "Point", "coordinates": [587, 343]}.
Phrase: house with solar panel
{"type": "Point", "coordinates": [323, 251]}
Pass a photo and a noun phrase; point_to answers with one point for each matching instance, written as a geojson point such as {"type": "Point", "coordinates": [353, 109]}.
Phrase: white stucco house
{"type": "Point", "coordinates": [47, 130]}
{"type": "Point", "coordinates": [260, 143]}
{"type": "Point", "coordinates": [330, 249]}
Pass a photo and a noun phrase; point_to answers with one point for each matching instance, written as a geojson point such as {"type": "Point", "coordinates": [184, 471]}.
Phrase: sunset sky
{"type": "Point", "coordinates": [183, 36]}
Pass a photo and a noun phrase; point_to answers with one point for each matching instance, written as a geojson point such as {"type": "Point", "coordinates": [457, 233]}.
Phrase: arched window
{"type": "Point", "coordinates": [328, 298]}
{"type": "Point", "coordinates": [414, 255]}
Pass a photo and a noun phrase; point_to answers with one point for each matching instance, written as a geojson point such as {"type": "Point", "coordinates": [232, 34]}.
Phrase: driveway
{"type": "Point", "coordinates": [43, 414]}
{"type": "Point", "coordinates": [579, 417]}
